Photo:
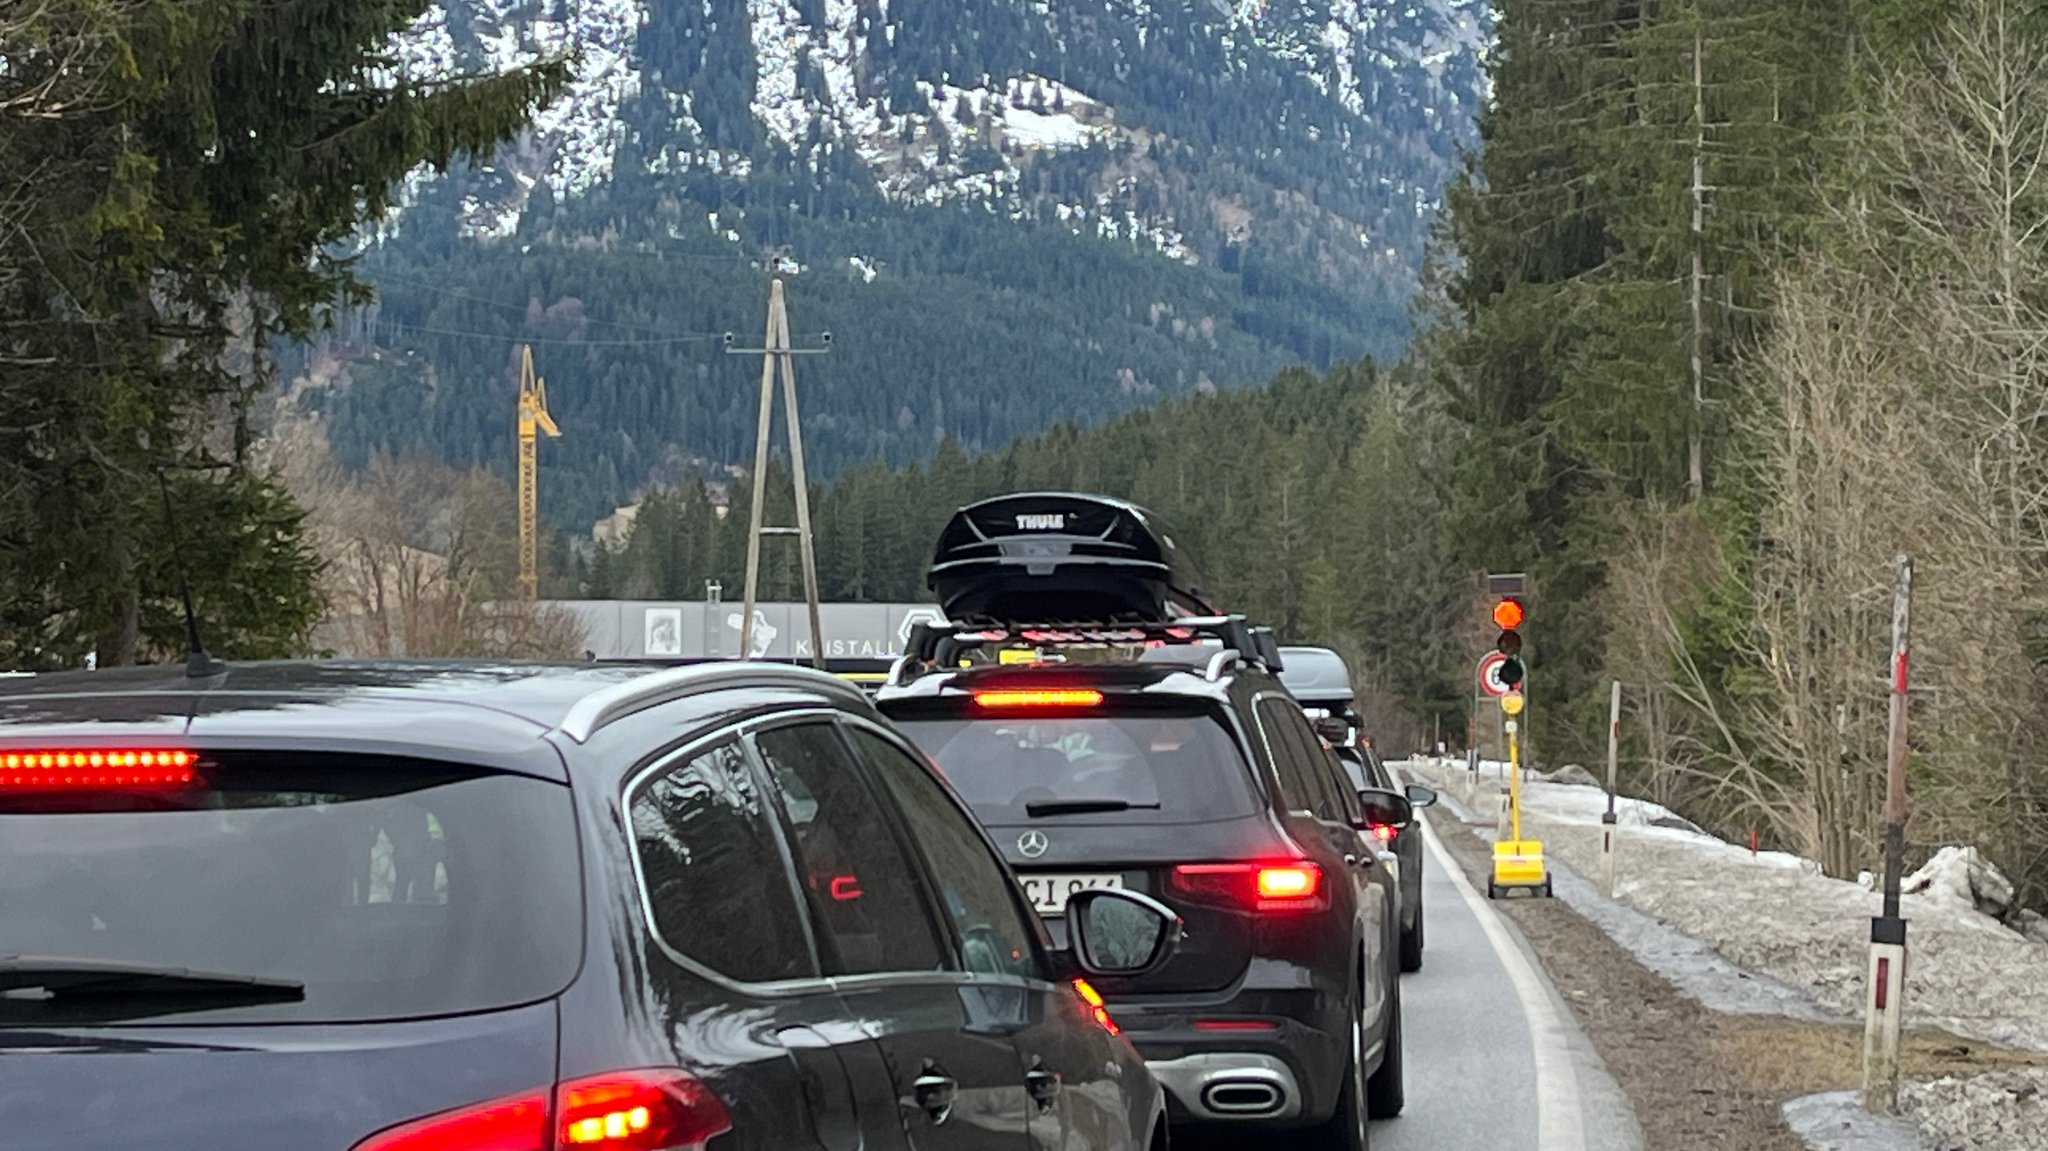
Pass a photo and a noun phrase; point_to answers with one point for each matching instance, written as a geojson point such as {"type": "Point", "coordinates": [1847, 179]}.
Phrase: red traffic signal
{"type": "Point", "coordinates": [1508, 614]}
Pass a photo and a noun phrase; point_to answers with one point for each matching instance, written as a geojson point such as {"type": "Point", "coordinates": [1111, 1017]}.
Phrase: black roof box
{"type": "Point", "coordinates": [1064, 557]}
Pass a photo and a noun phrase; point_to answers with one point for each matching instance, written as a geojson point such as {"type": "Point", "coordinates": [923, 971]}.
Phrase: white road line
{"type": "Point", "coordinates": [1559, 1125]}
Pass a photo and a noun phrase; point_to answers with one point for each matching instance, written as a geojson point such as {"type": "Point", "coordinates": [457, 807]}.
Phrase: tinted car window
{"type": "Point", "coordinates": [388, 888]}
{"type": "Point", "coordinates": [1297, 758]}
{"type": "Point", "coordinates": [713, 867]}
{"type": "Point", "coordinates": [1172, 768]}
{"type": "Point", "coordinates": [861, 888]}
{"type": "Point", "coordinates": [975, 890]}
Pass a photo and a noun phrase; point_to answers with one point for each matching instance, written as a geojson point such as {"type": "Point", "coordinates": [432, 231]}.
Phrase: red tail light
{"type": "Point", "coordinates": [1039, 697]}
{"type": "Point", "coordinates": [638, 1111]}
{"type": "Point", "coordinates": [1290, 886]}
{"type": "Point", "coordinates": [88, 769]}
{"type": "Point", "coordinates": [515, 1123]}
{"type": "Point", "coordinates": [1384, 832]}
{"type": "Point", "coordinates": [1093, 999]}
{"type": "Point", "coordinates": [648, 1110]}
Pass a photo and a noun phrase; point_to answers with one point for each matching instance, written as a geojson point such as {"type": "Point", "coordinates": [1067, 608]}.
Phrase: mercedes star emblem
{"type": "Point", "coordinates": [1033, 844]}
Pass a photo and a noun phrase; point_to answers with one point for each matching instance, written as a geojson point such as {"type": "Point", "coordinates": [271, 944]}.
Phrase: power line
{"type": "Point", "coordinates": [425, 286]}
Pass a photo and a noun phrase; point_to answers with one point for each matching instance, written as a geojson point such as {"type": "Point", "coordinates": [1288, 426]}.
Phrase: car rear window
{"type": "Point", "coordinates": [1174, 767]}
{"type": "Point", "coordinates": [390, 889]}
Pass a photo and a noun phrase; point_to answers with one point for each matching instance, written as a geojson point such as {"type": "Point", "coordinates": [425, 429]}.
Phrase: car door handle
{"type": "Point", "coordinates": [935, 1091]}
{"type": "Point", "coordinates": [1044, 1087]}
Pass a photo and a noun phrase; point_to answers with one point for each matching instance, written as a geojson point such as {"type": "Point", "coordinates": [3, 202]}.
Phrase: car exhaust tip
{"type": "Point", "coordinates": [1247, 1098]}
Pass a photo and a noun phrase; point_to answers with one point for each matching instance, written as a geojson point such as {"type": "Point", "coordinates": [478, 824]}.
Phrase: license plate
{"type": "Point", "coordinates": [1049, 893]}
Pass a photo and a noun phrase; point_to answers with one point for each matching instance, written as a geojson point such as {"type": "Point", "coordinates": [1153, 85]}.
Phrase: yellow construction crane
{"type": "Point", "coordinates": [533, 419]}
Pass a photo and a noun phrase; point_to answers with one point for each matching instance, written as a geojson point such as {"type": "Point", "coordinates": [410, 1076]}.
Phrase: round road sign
{"type": "Point", "coordinates": [1489, 674]}
{"type": "Point", "coordinates": [1511, 703]}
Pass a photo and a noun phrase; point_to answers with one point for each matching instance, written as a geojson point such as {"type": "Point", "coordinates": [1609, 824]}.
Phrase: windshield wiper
{"type": "Point", "coordinates": [1039, 808]}
{"type": "Point", "coordinates": [30, 979]}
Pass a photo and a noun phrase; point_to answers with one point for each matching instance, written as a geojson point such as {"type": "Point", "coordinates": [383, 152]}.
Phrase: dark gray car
{"type": "Point", "coordinates": [1319, 679]}
{"type": "Point", "coordinates": [399, 908]}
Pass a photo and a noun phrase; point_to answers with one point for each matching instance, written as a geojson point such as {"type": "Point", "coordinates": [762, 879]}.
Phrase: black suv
{"type": "Point", "coordinates": [402, 908]}
{"type": "Point", "coordinates": [1318, 678]}
{"type": "Point", "coordinates": [1133, 745]}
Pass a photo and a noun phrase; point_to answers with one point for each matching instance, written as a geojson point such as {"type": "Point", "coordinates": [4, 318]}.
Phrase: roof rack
{"type": "Point", "coordinates": [938, 646]}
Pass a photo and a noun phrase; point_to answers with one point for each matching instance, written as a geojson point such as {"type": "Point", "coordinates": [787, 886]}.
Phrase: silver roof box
{"type": "Point", "coordinates": [1315, 674]}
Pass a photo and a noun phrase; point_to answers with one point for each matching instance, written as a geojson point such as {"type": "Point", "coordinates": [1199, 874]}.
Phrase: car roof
{"type": "Point", "coordinates": [494, 713]}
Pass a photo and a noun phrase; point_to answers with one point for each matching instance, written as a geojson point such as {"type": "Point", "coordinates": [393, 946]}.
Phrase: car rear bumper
{"type": "Point", "coordinates": [1268, 1057]}
{"type": "Point", "coordinates": [1229, 1087]}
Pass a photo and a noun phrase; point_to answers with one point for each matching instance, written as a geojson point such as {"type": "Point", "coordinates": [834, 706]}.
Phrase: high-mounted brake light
{"type": "Point", "coordinates": [645, 1110]}
{"type": "Point", "coordinates": [1290, 886]}
{"type": "Point", "coordinates": [88, 769]}
{"type": "Point", "coordinates": [1038, 697]}
{"type": "Point", "coordinates": [1093, 999]}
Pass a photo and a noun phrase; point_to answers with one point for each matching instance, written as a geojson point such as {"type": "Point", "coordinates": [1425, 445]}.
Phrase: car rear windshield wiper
{"type": "Point", "coordinates": [1039, 808]}
{"type": "Point", "coordinates": [40, 979]}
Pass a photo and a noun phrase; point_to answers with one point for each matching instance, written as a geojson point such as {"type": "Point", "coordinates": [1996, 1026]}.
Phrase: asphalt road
{"type": "Point", "coordinates": [1494, 1058]}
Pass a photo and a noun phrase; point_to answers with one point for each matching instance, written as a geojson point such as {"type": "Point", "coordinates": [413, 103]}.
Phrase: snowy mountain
{"type": "Point", "coordinates": [1176, 193]}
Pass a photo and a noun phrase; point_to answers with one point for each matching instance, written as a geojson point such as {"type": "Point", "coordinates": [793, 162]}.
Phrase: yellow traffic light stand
{"type": "Point", "coordinates": [1517, 862]}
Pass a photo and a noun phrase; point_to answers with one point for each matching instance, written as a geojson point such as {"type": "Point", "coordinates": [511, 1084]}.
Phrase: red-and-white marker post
{"type": "Point", "coordinates": [1608, 824]}
{"type": "Point", "coordinates": [1886, 1004]}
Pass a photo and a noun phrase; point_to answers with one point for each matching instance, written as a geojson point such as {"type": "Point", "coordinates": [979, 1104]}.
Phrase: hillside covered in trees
{"type": "Point", "coordinates": [1749, 299]}
{"type": "Point", "coordinates": [1009, 215]}
{"type": "Point", "coordinates": [1308, 503]}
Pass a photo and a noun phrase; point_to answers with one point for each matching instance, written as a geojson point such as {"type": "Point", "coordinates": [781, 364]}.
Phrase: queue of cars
{"type": "Point", "coordinates": [435, 907]}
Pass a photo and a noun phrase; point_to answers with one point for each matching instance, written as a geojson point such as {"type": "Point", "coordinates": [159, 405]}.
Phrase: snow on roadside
{"type": "Point", "coordinates": [1999, 1111]}
{"type": "Point", "coordinates": [1775, 915]}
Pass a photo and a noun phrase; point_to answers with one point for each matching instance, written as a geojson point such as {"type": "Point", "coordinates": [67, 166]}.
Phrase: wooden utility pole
{"type": "Point", "coordinates": [778, 356]}
{"type": "Point", "coordinates": [1885, 1005]}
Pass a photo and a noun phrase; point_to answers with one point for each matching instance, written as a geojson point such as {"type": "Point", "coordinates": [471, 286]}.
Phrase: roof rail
{"type": "Point", "coordinates": [593, 712]}
{"type": "Point", "coordinates": [1218, 662]}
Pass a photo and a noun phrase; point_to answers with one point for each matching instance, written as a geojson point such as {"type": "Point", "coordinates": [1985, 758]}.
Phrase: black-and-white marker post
{"type": "Point", "coordinates": [1886, 1006]}
{"type": "Point", "coordinates": [1608, 824]}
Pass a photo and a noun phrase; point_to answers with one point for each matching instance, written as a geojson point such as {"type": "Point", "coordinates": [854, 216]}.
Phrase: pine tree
{"type": "Point", "coordinates": [234, 147]}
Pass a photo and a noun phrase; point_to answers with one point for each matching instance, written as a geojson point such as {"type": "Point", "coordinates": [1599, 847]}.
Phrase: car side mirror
{"type": "Point", "coordinates": [1121, 933]}
{"type": "Point", "coordinates": [1421, 796]}
{"type": "Point", "coordinates": [1383, 808]}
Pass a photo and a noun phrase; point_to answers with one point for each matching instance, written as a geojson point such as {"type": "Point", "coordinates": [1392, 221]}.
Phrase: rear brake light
{"type": "Point", "coordinates": [649, 1110]}
{"type": "Point", "coordinates": [1291, 886]}
{"type": "Point", "coordinates": [1093, 999]}
{"type": "Point", "coordinates": [514, 1123]}
{"type": "Point", "coordinates": [1292, 882]}
{"type": "Point", "coordinates": [1384, 832]}
{"type": "Point", "coordinates": [1039, 697]}
{"type": "Point", "coordinates": [86, 769]}
{"type": "Point", "coordinates": [638, 1111]}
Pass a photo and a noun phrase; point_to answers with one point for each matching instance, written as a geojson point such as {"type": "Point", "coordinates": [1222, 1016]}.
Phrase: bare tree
{"type": "Point", "coordinates": [421, 559]}
{"type": "Point", "coordinates": [1899, 403]}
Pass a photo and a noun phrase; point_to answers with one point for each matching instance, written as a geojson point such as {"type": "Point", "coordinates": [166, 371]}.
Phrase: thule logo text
{"type": "Point", "coordinates": [1042, 522]}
